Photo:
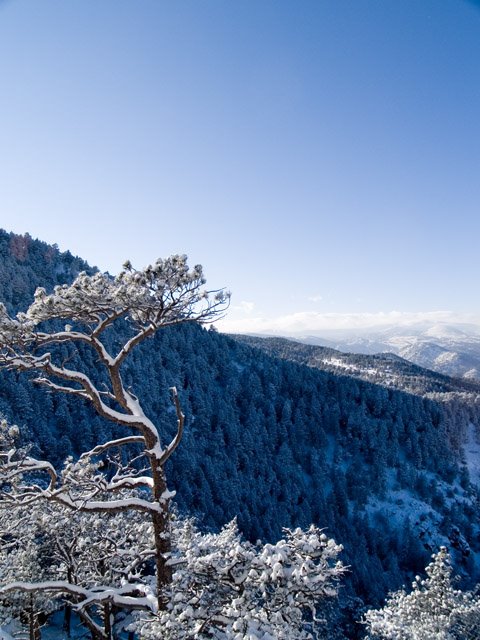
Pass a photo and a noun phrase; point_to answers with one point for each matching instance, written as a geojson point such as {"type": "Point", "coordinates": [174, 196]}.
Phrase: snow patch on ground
{"type": "Point", "coordinates": [370, 373]}
{"type": "Point", "coordinates": [336, 362]}
{"type": "Point", "coordinates": [53, 630]}
{"type": "Point", "coordinates": [472, 454]}
{"type": "Point", "coordinates": [401, 504]}
{"type": "Point", "coordinates": [446, 358]}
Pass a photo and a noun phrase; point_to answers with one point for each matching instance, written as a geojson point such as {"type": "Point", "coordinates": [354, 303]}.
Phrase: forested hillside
{"type": "Point", "coordinates": [386, 369]}
{"type": "Point", "coordinates": [275, 442]}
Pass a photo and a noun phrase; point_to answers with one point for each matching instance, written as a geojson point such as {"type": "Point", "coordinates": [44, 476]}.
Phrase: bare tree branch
{"type": "Point", "coordinates": [180, 426]}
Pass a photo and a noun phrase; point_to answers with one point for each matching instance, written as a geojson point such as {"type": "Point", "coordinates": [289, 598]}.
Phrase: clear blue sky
{"type": "Point", "coordinates": [317, 157]}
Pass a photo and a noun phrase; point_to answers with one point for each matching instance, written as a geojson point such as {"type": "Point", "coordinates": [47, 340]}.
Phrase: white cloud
{"type": "Point", "coordinates": [244, 307]}
{"type": "Point", "coordinates": [315, 298]}
{"type": "Point", "coordinates": [311, 321]}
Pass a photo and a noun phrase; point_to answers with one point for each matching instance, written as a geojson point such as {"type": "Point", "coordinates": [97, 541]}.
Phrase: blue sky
{"type": "Point", "coordinates": [319, 158]}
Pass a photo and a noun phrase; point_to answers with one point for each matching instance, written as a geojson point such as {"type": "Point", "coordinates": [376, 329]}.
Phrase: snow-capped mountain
{"type": "Point", "coordinates": [450, 349]}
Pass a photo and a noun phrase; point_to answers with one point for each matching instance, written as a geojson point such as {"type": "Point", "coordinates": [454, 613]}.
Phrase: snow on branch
{"type": "Point", "coordinates": [80, 487]}
{"type": "Point", "coordinates": [131, 596]}
{"type": "Point", "coordinates": [119, 442]}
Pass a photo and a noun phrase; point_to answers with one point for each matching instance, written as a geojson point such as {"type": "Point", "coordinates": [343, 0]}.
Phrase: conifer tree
{"type": "Point", "coordinates": [433, 610]}
{"type": "Point", "coordinates": [163, 294]}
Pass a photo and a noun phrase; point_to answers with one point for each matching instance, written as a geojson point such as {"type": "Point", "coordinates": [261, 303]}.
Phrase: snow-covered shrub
{"type": "Point", "coordinates": [227, 588]}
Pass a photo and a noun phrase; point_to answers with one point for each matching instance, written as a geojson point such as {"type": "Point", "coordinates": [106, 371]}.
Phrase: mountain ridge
{"type": "Point", "coordinates": [385, 368]}
{"type": "Point", "coordinates": [452, 349]}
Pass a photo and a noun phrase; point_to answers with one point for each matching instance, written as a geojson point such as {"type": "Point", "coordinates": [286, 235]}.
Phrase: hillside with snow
{"type": "Point", "coordinates": [386, 369]}
{"type": "Point", "coordinates": [450, 349]}
{"type": "Point", "coordinates": [380, 452]}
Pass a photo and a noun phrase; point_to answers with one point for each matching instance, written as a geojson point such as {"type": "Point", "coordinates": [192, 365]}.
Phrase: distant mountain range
{"type": "Point", "coordinates": [386, 369]}
{"type": "Point", "coordinates": [453, 350]}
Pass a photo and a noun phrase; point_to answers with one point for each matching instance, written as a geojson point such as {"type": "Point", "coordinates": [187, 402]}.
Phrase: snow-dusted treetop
{"type": "Point", "coordinates": [167, 292]}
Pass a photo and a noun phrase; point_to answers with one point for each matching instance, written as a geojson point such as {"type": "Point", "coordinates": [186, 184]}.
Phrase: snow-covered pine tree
{"type": "Point", "coordinates": [433, 610]}
{"type": "Point", "coordinates": [226, 588]}
{"type": "Point", "coordinates": [163, 294]}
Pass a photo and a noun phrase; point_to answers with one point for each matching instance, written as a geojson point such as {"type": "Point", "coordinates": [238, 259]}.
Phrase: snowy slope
{"type": "Point", "coordinates": [450, 349]}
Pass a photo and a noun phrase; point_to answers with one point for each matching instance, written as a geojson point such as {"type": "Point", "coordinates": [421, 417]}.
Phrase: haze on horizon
{"type": "Point", "coordinates": [320, 160]}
